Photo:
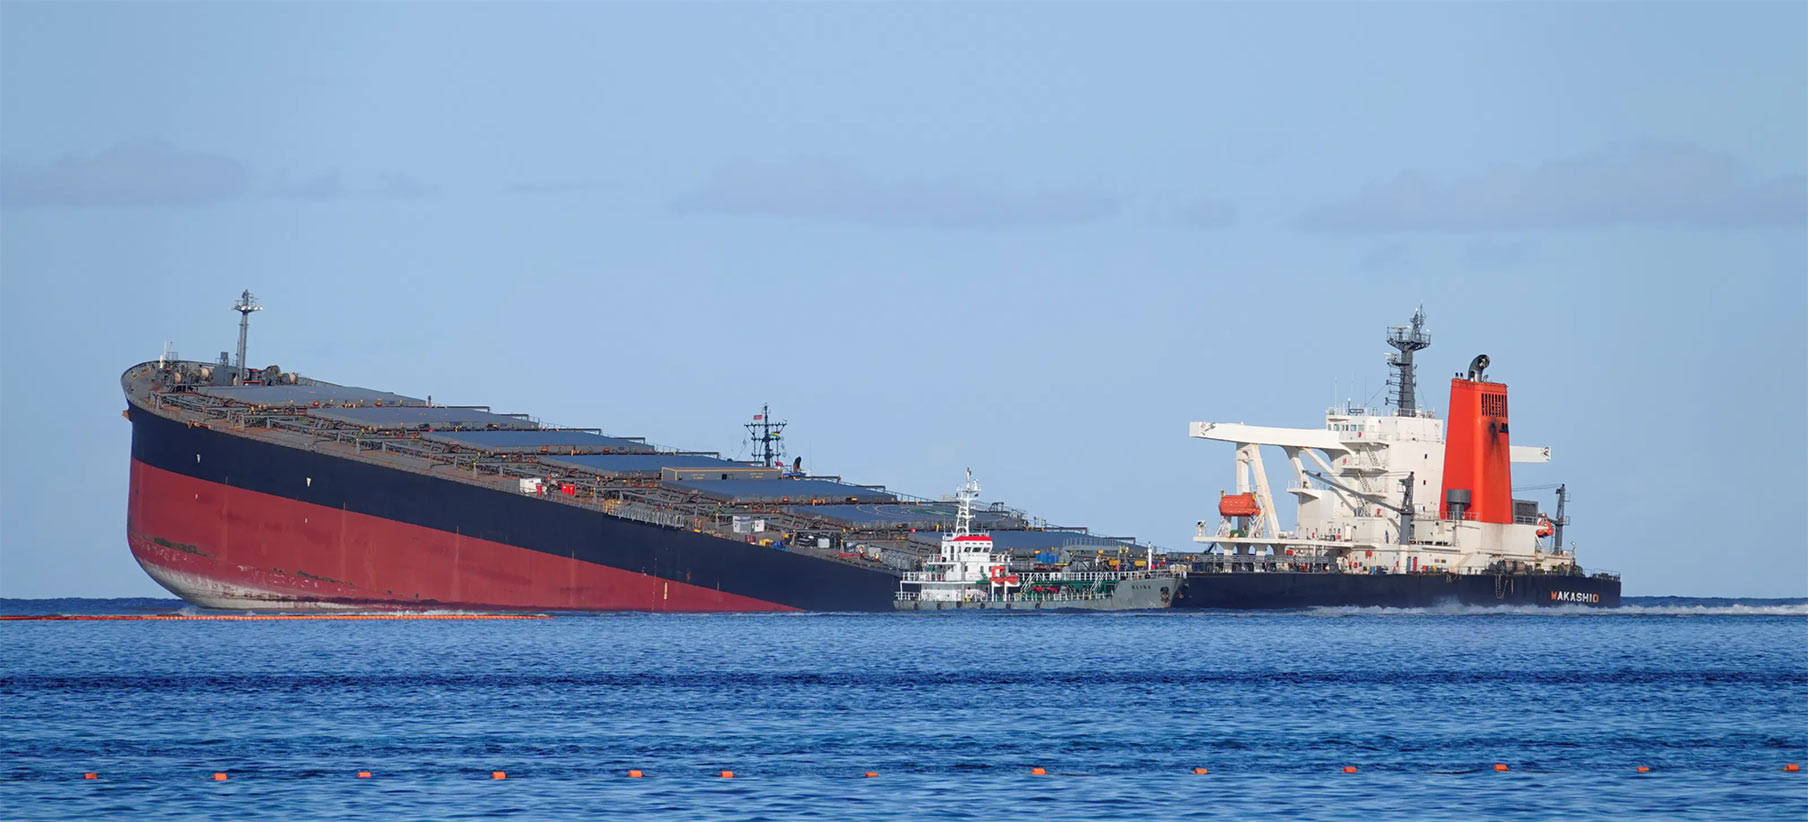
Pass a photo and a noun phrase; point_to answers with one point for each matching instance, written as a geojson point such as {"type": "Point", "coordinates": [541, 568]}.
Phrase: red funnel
{"type": "Point", "coordinates": [1476, 456]}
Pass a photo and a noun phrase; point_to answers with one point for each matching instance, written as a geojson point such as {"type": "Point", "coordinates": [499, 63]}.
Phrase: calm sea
{"type": "Point", "coordinates": [950, 711]}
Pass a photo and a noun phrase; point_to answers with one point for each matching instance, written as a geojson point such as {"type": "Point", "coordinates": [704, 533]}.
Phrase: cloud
{"type": "Point", "coordinates": [1497, 253]}
{"type": "Point", "coordinates": [131, 173]}
{"type": "Point", "coordinates": [830, 190]}
{"type": "Point", "coordinates": [1204, 213]}
{"type": "Point", "coordinates": [1655, 185]}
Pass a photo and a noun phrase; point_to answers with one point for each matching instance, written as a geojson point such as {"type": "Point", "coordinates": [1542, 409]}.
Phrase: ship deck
{"type": "Point", "coordinates": [619, 476]}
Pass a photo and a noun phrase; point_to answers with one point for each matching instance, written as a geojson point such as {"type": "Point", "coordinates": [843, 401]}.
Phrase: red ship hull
{"type": "Point", "coordinates": [228, 519]}
{"type": "Point", "coordinates": [225, 547]}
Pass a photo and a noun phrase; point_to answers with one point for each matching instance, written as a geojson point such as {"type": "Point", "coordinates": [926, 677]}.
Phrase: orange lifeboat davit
{"type": "Point", "coordinates": [1238, 505]}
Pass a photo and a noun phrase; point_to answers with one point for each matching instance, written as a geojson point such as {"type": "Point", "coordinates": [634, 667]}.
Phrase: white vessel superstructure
{"type": "Point", "coordinates": [966, 566]}
{"type": "Point", "coordinates": [970, 572]}
{"type": "Point", "coordinates": [1371, 493]}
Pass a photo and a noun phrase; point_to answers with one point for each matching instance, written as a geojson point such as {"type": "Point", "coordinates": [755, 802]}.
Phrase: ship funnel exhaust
{"type": "Point", "coordinates": [1477, 367]}
{"type": "Point", "coordinates": [1478, 473]}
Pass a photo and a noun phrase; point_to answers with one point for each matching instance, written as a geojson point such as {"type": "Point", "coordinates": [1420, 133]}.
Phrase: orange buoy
{"type": "Point", "coordinates": [219, 777]}
{"type": "Point", "coordinates": [1349, 769]}
{"type": "Point", "coordinates": [728, 774]}
{"type": "Point", "coordinates": [1201, 771]}
{"type": "Point", "coordinates": [1038, 772]}
{"type": "Point", "coordinates": [871, 774]}
{"type": "Point", "coordinates": [1792, 767]}
{"type": "Point", "coordinates": [1643, 769]}
{"type": "Point", "coordinates": [498, 775]}
{"type": "Point", "coordinates": [364, 774]}
{"type": "Point", "coordinates": [635, 774]}
{"type": "Point", "coordinates": [91, 775]}
{"type": "Point", "coordinates": [1499, 767]}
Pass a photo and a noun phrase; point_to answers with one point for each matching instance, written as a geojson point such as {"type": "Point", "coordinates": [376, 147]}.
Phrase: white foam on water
{"type": "Point", "coordinates": [1795, 609]}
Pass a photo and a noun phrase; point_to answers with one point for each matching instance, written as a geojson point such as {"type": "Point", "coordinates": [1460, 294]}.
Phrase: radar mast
{"type": "Point", "coordinates": [765, 434]}
{"type": "Point", "coordinates": [244, 306]}
{"type": "Point", "coordinates": [963, 516]}
{"type": "Point", "coordinates": [1406, 339]}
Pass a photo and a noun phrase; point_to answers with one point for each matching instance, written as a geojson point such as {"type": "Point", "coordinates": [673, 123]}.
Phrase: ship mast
{"type": "Point", "coordinates": [765, 434]}
{"type": "Point", "coordinates": [244, 306]}
{"type": "Point", "coordinates": [1406, 339]}
{"type": "Point", "coordinates": [967, 493]}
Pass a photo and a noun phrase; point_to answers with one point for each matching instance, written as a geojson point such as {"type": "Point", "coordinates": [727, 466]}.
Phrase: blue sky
{"type": "Point", "coordinates": [1035, 240]}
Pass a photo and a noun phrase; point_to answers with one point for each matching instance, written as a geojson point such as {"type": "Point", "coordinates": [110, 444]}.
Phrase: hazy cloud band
{"type": "Point", "coordinates": [1657, 185]}
{"type": "Point", "coordinates": [130, 173]}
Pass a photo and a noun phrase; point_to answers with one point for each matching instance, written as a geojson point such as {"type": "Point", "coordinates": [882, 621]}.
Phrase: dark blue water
{"type": "Point", "coordinates": [952, 711]}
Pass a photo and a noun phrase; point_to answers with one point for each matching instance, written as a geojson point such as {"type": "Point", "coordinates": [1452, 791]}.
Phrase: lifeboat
{"type": "Point", "coordinates": [1238, 505]}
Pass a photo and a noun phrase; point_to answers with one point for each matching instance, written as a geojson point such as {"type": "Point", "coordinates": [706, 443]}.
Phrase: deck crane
{"type": "Point", "coordinates": [1404, 509]}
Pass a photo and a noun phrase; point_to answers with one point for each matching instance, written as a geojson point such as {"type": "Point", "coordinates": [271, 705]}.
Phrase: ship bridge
{"type": "Point", "coordinates": [1360, 483]}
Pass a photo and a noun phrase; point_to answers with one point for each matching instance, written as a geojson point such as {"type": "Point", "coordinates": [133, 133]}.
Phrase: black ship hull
{"type": "Point", "coordinates": [226, 520]}
{"type": "Point", "coordinates": [1286, 590]}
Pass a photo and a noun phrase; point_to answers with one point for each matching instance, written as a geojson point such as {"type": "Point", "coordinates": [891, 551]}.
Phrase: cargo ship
{"type": "Point", "coordinates": [1395, 507]}
{"type": "Point", "coordinates": [261, 489]}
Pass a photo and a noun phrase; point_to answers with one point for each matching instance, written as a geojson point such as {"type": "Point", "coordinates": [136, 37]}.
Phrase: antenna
{"type": "Point", "coordinates": [1406, 339]}
{"type": "Point", "coordinates": [244, 306]}
{"type": "Point", "coordinates": [765, 433]}
{"type": "Point", "coordinates": [968, 492]}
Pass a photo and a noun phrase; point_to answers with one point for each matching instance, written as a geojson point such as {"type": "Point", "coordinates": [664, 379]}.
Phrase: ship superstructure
{"type": "Point", "coordinates": [969, 572]}
{"type": "Point", "coordinates": [1398, 491]}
